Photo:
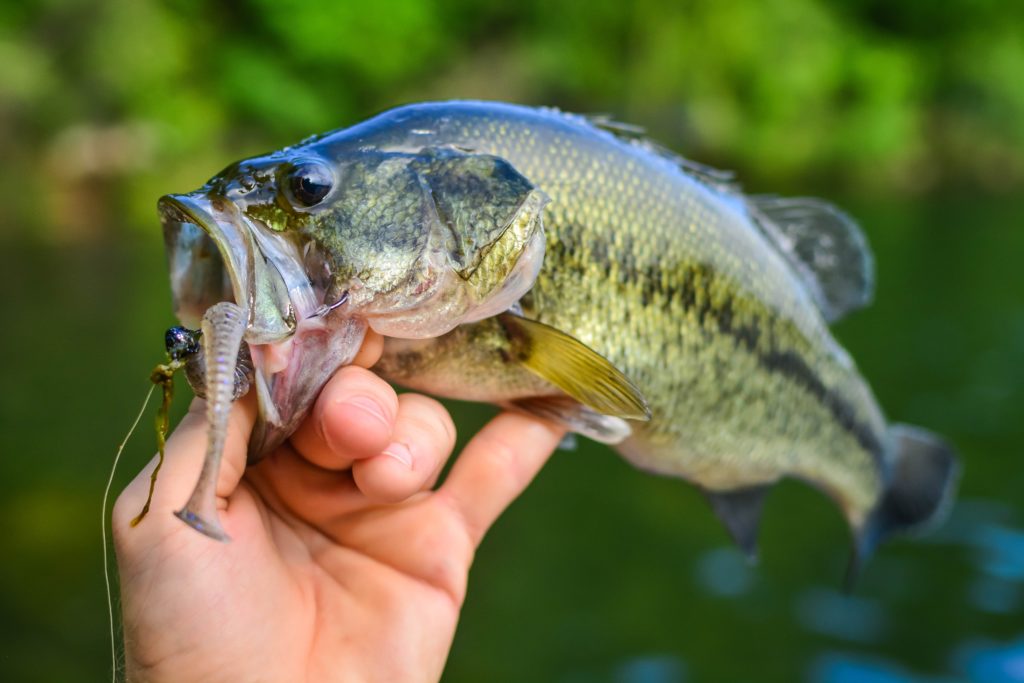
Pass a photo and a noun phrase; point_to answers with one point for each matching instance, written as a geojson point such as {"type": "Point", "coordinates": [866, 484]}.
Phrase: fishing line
{"type": "Point", "coordinates": [103, 523]}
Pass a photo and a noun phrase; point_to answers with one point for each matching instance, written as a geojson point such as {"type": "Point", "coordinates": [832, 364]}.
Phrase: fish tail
{"type": "Point", "coordinates": [923, 475]}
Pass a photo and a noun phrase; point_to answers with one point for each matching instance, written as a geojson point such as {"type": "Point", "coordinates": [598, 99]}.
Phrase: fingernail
{"type": "Point", "coordinates": [401, 453]}
{"type": "Point", "coordinates": [371, 408]}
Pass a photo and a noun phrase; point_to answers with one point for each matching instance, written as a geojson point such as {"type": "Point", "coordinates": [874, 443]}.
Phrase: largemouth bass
{"type": "Point", "coordinates": [567, 267]}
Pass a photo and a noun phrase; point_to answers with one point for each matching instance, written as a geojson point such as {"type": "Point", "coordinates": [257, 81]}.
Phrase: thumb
{"type": "Point", "coordinates": [184, 454]}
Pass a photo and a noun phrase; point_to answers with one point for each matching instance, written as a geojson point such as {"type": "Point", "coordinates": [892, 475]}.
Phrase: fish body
{"type": "Point", "coordinates": [657, 308]}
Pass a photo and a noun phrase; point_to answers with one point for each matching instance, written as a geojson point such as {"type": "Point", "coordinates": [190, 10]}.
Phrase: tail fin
{"type": "Point", "coordinates": [922, 483]}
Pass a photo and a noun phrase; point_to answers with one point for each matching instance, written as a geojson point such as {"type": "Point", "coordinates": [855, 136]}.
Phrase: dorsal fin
{"type": "Point", "coordinates": [740, 512]}
{"type": "Point", "coordinates": [825, 245]}
{"type": "Point", "coordinates": [724, 181]}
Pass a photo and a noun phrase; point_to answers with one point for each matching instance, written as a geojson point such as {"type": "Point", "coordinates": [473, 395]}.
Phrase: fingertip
{"type": "Point", "coordinates": [353, 418]}
{"type": "Point", "coordinates": [357, 425]}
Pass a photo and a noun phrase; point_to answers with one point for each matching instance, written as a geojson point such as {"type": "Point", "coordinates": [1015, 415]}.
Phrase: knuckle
{"type": "Point", "coordinates": [505, 460]}
{"type": "Point", "coordinates": [429, 417]}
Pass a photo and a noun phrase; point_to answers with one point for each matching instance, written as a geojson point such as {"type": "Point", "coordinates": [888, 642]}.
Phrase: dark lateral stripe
{"type": "Point", "coordinates": [691, 287]}
{"type": "Point", "coordinates": [694, 293]}
{"type": "Point", "coordinates": [792, 366]}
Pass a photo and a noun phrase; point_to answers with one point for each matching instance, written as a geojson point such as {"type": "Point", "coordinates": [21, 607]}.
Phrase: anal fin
{"type": "Point", "coordinates": [740, 512]}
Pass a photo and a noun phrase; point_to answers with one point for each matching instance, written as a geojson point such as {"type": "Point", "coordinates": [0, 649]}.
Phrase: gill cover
{"type": "Point", "coordinates": [425, 241]}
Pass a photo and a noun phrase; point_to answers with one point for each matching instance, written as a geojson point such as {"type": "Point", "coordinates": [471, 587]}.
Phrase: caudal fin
{"type": "Point", "coordinates": [922, 483]}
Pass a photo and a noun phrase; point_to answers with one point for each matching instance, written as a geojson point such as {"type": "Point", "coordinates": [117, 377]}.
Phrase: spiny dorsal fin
{"type": "Point", "coordinates": [825, 245]}
{"type": "Point", "coordinates": [724, 181]}
{"type": "Point", "coordinates": [621, 129]}
{"type": "Point", "coordinates": [740, 512]}
{"type": "Point", "coordinates": [575, 368]}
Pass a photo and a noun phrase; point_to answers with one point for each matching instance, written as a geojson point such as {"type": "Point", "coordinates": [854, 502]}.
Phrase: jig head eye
{"type": "Point", "coordinates": [181, 342]}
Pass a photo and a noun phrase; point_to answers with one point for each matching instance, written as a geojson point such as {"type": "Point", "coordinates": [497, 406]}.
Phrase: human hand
{"type": "Point", "coordinates": [345, 564]}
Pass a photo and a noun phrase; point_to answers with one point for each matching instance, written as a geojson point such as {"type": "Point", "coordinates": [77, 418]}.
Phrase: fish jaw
{"type": "Point", "coordinates": [216, 253]}
{"type": "Point", "coordinates": [291, 374]}
{"type": "Point", "coordinates": [207, 237]}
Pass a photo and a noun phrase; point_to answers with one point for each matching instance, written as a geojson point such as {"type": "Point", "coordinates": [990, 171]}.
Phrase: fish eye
{"type": "Point", "coordinates": [308, 183]}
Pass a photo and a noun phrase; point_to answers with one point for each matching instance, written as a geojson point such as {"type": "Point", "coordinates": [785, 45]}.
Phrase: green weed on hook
{"type": "Point", "coordinates": [181, 344]}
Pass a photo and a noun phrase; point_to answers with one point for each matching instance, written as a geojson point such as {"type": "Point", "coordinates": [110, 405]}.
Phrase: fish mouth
{"type": "Point", "coordinates": [216, 253]}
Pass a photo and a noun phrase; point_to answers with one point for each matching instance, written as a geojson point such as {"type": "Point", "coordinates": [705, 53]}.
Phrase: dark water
{"type": "Point", "coordinates": [599, 572]}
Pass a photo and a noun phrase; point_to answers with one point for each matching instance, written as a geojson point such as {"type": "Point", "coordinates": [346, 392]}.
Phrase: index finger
{"type": "Point", "coordinates": [497, 465]}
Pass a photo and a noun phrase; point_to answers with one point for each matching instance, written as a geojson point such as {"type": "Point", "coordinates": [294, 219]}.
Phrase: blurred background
{"type": "Point", "coordinates": [910, 114]}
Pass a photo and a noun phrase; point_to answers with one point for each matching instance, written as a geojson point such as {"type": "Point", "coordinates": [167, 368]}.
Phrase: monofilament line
{"type": "Point", "coordinates": [103, 523]}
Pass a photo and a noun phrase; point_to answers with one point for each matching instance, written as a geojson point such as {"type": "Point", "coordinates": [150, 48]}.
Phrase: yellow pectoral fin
{"type": "Point", "coordinates": [574, 368]}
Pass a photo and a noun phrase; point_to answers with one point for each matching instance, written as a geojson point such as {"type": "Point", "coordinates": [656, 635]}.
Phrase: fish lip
{"type": "Point", "coordinates": [251, 273]}
{"type": "Point", "coordinates": [177, 213]}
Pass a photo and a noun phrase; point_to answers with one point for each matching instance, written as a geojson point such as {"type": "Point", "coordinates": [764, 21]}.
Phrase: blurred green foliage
{"type": "Point", "coordinates": [106, 104]}
{"type": "Point", "coordinates": [913, 110]}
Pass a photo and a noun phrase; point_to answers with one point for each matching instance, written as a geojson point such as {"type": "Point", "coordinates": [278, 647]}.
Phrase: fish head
{"type": "Point", "coordinates": [317, 244]}
{"type": "Point", "coordinates": [424, 241]}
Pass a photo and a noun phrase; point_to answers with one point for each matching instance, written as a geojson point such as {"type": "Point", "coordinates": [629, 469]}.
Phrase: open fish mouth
{"type": "Point", "coordinates": [240, 283]}
{"type": "Point", "coordinates": [243, 284]}
{"type": "Point", "coordinates": [215, 253]}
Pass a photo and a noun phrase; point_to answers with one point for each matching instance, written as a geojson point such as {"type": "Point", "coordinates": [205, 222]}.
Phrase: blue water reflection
{"type": "Point", "coordinates": [848, 617]}
{"type": "Point", "coordinates": [725, 572]}
{"type": "Point", "coordinates": [654, 669]}
{"type": "Point", "coordinates": [995, 548]}
{"type": "Point", "coordinates": [995, 595]}
{"type": "Point", "coordinates": [988, 662]}
{"type": "Point", "coordinates": [1001, 551]}
{"type": "Point", "coordinates": [844, 668]}
{"type": "Point", "coordinates": [997, 551]}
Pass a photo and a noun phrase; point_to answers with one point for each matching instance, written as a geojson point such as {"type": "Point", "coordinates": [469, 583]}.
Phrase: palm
{"type": "Point", "coordinates": [322, 581]}
{"type": "Point", "coordinates": [385, 577]}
